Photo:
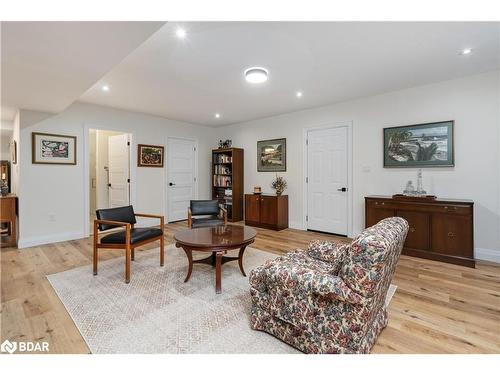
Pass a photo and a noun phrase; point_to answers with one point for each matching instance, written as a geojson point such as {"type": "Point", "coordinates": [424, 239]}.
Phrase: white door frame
{"type": "Point", "coordinates": [348, 125]}
{"type": "Point", "coordinates": [165, 189]}
{"type": "Point", "coordinates": [86, 170]}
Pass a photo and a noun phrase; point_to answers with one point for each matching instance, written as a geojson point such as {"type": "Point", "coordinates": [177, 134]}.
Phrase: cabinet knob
{"type": "Point", "coordinates": [412, 229]}
{"type": "Point", "coordinates": [451, 234]}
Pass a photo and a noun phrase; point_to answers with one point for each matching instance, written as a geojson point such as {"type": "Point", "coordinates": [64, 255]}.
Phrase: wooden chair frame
{"type": "Point", "coordinates": [222, 212]}
{"type": "Point", "coordinates": [127, 246]}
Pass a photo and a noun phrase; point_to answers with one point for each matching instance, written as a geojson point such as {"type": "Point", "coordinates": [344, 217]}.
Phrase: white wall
{"type": "Point", "coordinates": [471, 101]}
{"type": "Point", "coordinates": [52, 204]}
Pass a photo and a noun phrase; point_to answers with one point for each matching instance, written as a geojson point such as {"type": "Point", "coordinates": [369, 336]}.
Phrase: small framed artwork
{"type": "Point", "coordinates": [13, 152]}
{"type": "Point", "coordinates": [418, 146]}
{"type": "Point", "coordinates": [150, 156]}
{"type": "Point", "coordinates": [271, 155]}
{"type": "Point", "coordinates": [53, 149]}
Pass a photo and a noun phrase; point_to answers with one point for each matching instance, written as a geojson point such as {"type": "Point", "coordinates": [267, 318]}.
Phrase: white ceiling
{"type": "Point", "coordinates": [46, 66]}
{"type": "Point", "coordinates": [194, 78]}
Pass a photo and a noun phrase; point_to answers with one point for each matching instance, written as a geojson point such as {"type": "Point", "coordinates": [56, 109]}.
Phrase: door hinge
{"type": "Point", "coordinates": [195, 179]}
{"type": "Point", "coordinates": [128, 143]}
{"type": "Point", "coordinates": [307, 180]}
{"type": "Point", "coordinates": [307, 141]}
{"type": "Point", "coordinates": [128, 180]}
{"type": "Point", "coordinates": [195, 148]}
{"type": "Point", "coordinates": [307, 217]}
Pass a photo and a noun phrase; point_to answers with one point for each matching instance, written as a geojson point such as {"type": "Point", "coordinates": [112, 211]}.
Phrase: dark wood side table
{"type": "Point", "coordinates": [8, 214]}
{"type": "Point", "coordinates": [217, 241]}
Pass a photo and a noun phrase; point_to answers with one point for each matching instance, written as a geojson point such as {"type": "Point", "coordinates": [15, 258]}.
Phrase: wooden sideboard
{"type": "Point", "coordinates": [266, 211]}
{"type": "Point", "coordinates": [8, 214]}
{"type": "Point", "coordinates": [442, 229]}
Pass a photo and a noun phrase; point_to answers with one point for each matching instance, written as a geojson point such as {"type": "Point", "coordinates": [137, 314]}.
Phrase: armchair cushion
{"type": "Point", "coordinates": [206, 222]}
{"type": "Point", "coordinates": [327, 251]}
{"type": "Point", "coordinates": [136, 235]}
{"type": "Point", "coordinates": [204, 207]}
{"type": "Point", "coordinates": [123, 214]}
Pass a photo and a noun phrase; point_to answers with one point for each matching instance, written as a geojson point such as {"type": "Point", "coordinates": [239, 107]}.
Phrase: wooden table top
{"type": "Point", "coordinates": [216, 237]}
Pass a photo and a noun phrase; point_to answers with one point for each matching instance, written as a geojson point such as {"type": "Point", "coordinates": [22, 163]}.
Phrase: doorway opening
{"type": "Point", "coordinates": [109, 170]}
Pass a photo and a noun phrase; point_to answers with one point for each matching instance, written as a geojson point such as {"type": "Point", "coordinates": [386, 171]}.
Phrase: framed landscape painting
{"type": "Point", "coordinates": [271, 155]}
{"type": "Point", "coordinates": [421, 145]}
{"type": "Point", "coordinates": [150, 156]}
{"type": "Point", "coordinates": [53, 149]}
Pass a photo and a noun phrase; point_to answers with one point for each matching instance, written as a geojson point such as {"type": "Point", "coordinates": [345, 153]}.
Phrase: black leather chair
{"type": "Point", "coordinates": [213, 215]}
{"type": "Point", "coordinates": [127, 239]}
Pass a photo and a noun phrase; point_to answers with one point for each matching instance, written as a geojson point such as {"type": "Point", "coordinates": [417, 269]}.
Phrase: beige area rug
{"type": "Point", "coordinates": [159, 313]}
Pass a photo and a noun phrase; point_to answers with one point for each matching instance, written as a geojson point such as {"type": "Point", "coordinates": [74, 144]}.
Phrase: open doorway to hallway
{"type": "Point", "coordinates": [109, 170]}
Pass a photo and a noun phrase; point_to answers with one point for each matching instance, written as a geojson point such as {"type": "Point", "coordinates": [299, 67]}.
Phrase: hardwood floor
{"type": "Point", "coordinates": [437, 308]}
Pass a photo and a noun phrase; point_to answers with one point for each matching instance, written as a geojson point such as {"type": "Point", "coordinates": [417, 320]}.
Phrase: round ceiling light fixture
{"type": "Point", "coordinates": [466, 51]}
{"type": "Point", "coordinates": [256, 74]}
{"type": "Point", "coordinates": [105, 88]}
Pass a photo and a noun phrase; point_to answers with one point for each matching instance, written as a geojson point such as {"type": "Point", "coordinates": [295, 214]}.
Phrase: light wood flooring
{"type": "Point", "coordinates": [437, 308]}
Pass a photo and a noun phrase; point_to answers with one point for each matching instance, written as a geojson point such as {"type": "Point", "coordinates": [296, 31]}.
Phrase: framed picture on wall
{"type": "Point", "coordinates": [150, 156]}
{"type": "Point", "coordinates": [418, 146]}
{"type": "Point", "coordinates": [53, 149]}
{"type": "Point", "coordinates": [271, 155]}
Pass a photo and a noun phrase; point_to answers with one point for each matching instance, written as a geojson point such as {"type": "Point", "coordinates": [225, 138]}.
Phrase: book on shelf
{"type": "Point", "coordinates": [222, 181]}
{"type": "Point", "coordinates": [222, 169]}
{"type": "Point", "coordinates": [222, 158]}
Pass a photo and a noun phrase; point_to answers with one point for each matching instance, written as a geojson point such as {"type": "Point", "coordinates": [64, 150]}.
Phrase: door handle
{"type": "Point", "coordinates": [342, 189]}
{"type": "Point", "coordinates": [109, 185]}
{"type": "Point", "coordinates": [171, 184]}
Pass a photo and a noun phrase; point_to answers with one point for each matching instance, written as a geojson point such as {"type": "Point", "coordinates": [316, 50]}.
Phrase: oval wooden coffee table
{"type": "Point", "coordinates": [216, 240]}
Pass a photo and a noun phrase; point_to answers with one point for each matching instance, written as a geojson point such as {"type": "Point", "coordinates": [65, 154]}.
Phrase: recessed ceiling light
{"type": "Point", "coordinates": [105, 88]}
{"type": "Point", "coordinates": [466, 51]}
{"type": "Point", "coordinates": [217, 115]}
{"type": "Point", "coordinates": [298, 94]}
{"type": "Point", "coordinates": [256, 75]}
{"type": "Point", "coordinates": [181, 33]}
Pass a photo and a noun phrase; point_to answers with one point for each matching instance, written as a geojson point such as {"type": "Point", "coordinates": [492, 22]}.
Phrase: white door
{"type": "Point", "coordinates": [181, 178]}
{"type": "Point", "coordinates": [327, 180]}
{"type": "Point", "coordinates": [118, 164]}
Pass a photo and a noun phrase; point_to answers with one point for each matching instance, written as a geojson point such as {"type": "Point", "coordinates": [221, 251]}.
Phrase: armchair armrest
{"type": "Point", "coordinates": [127, 226]}
{"type": "Point", "coordinates": [161, 217]}
{"type": "Point", "coordinates": [224, 214]}
{"type": "Point", "coordinates": [318, 283]}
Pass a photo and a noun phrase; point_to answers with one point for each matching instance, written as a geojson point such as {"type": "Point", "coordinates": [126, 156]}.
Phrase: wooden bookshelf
{"type": "Point", "coordinates": [227, 180]}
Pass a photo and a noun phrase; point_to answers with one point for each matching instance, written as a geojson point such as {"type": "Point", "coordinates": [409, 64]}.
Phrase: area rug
{"type": "Point", "coordinates": [158, 313]}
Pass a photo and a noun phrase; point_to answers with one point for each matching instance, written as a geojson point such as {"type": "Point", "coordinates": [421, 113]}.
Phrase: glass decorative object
{"type": "Point", "coordinates": [409, 189]}
{"type": "Point", "coordinates": [420, 189]}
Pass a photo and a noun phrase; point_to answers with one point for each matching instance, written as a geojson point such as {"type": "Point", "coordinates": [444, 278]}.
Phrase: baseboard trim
{"type": "Point", "coordinates": [43, 240]}
{"type": "Point", "coordinates": [487, 254]}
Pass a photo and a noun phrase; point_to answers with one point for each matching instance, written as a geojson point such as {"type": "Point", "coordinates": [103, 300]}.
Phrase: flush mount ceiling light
{"type": "Point", "coordinates": [298, 94]}
{"type": "Point", "coordinates": [181, 33]}
{"type": "Point", "coordinates": [105, 88]}
{"type": "Point", "coordinates": [256, 75]}
{"type": "Point", "coordinates": [217, 115]}
{"type": "Point", "coordinates": [466, 51]}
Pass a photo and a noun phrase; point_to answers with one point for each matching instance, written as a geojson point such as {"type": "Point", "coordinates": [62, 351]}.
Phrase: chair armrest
{"type": "Point", "coordinates": [318, 283]}
{"type": "Point", "coordinates": [112, 222]}
{"type": "Point", "coordinates": [127, 226]}
{"type": "Point", "coordinates": [148, 215]}
{"type": "Point", "coordinates": [190, 218]}
{"type": "Point", "coordinates": [224, 214]}
{"type": "Point", "coordinates": [161, 217]}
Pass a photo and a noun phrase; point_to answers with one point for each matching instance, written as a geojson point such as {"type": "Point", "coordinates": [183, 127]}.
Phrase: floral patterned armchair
{"type": "Point", "coordinates": [330, 298]}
